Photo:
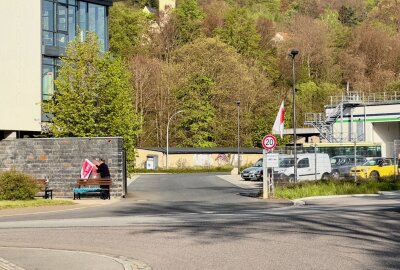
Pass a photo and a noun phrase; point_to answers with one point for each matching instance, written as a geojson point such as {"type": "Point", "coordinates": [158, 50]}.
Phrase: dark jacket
{"type": "Point", "coordinates": [102, 169]}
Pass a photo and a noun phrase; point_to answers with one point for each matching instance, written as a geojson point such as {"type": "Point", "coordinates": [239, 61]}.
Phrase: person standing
{"type": "Point", "coordinates": [102, 169]}
{"type": "Point", "coordinates": [104, 172]}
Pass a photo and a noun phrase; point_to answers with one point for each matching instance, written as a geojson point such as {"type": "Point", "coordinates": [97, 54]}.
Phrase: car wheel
{"type": "Point", "coordinates": [291, 178]}
{"type": "Point", "coordinates": [325, 176]}
{"type": "Point", "coordinates": [335, 175]}
{"type": "Point", "coordinates": [374, 175]}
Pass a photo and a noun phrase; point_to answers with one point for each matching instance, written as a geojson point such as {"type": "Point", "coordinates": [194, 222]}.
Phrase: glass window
{"type": "Point", "coordinates": [48, 16]}
{"type": "Point", "coordinates": [62, 1]}
{"type": "Point", "coordinates": [48, 74]}
{"type": "Point", "coordinates": [71, 22]}
{"type": "Point", "coordinates": [72, 2]}
{"type": "Point", "coordinates": [97, 19]}
{"type": "Point", "coordinates": [61, 40]}
{"type": "Point", "coordinates": [82, 19]}
{"type": "Point", "coordinates": [48, 38]}
{"type": "Point", "coordinates": [62, 21]}
{"type": "Point", "coordinates": [304, 163]}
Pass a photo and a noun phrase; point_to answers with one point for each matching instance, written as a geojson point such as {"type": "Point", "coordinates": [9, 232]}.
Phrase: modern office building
{"type": "Point", "coordinates": [35, 34]}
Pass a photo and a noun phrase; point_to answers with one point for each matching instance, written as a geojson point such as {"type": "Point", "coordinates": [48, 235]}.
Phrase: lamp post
{"type": "Point", "coordinates": [293, 54]}
{"type": "Point", "coordinates": [238, 133]}
{"type": "Point", "coordinates": [169, 120]}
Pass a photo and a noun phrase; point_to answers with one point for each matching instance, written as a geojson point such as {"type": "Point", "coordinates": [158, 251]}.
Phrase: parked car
{"type": "Point", "coordinates": [309, 167]}
{"type": "Point", "coordinates": [375, 168]}
{"type": "Point", "coordinates": [254, 172]}
{"type": "Point", "coordinates": [341, 165]}
{"type": "Point", "coordinates": [284, 161]}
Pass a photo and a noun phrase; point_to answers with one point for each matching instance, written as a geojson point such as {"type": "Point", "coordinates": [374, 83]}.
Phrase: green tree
{"type": "Point", "coordinates": [189, 20]}
{"type": "Point", "coordinates": [239, 31]}
{"type": "Point", "coordinates": [93, 97]}
{"type": "Point", "coordinates": [312, 97]}
{"type": "Point", "coordinates": [198, 121]}
{"type": "Point", "coordinates": [128, 28]}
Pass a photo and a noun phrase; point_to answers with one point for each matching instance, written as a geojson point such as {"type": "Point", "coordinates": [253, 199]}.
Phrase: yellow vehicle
{"type": "Point", "coordinates": [375, 168]}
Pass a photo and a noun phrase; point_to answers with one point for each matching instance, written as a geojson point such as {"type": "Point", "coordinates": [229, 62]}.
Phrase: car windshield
{"type": "Point", "coordinates": [259, 163]}
{"type": "Point", "coordinates": [286, 162]}
{"type": "Point", "coordinates": [373, 162]}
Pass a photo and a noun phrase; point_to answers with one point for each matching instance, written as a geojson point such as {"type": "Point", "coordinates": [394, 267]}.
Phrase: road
{"type": "Point", "coordinates": [202, 222]}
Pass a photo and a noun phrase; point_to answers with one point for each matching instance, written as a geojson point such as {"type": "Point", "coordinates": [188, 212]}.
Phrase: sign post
{"type": "Point", "coordinates": [269, 160]}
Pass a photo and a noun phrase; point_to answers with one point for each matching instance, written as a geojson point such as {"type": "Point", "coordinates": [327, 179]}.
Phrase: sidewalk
{"type": "Point", "coordinates": [236, 180]}
{"type": "Point", "coordinates": [50, 259]}
{"type": "Point", "coordinates": [79, 204]}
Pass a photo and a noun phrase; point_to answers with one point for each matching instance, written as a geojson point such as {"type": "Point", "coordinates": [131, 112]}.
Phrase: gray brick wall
{"type": "Point", "coordinates": [60, 159]}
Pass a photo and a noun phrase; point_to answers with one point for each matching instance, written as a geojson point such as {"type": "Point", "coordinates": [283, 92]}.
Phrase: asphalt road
{"type": "Point", "coordinates": [201, 222]}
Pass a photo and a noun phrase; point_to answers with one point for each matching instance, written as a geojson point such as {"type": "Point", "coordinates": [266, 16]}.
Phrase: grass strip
{"type": "Point", "coordinates": [332, 187]}
{"type": "Point", "coordinates": [33, 203]}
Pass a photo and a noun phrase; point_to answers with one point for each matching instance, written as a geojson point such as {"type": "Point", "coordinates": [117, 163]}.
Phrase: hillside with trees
{"type": "Point", "coordinates": [203, 56]}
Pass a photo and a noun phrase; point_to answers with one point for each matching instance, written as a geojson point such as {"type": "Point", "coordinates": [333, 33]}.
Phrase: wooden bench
{"type": "Point", "coordinates": [93, 185]}
{"type": "Point", "coordinates": [43, 185]}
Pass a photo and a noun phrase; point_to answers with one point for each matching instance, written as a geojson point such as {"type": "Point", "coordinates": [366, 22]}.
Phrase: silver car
{"type": "Point", "coordinates": [341, 165]}
{"type": "Point", "coordinates": [254, 172]}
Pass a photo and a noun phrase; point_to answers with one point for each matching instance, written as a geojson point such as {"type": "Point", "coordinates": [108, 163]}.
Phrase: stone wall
{"type": "Point", "coordinates": [60, 159]}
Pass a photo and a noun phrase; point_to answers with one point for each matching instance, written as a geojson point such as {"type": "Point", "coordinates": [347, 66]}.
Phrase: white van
{"type": "Point", "coordinates": [307, 166]}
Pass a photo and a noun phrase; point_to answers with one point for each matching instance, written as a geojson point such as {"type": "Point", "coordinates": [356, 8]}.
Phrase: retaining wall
{"type": "Point", "coordinates": [60, 159]}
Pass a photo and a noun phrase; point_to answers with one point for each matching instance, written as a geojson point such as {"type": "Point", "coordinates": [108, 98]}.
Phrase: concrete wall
{"type": "Point", "coordinates": [195, 160]}
{"type": "Point", "coordinates": [61, 160]}
{"type": "Point", "coordinates": [20, 69]}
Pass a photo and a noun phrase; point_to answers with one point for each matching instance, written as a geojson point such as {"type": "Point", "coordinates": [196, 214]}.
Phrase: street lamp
{"type": "Point", "coordinates": [238, 133]}
{"type": "Point", "coordinates": [293, 54]}
{"type": "Point", "coordinates": [169, 120]}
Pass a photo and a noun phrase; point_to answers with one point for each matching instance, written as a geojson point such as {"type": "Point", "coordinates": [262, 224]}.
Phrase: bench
{"type": "Point", "coordinates": [43, 185]}
{"type": "Point", "coordinates": [93, 185]}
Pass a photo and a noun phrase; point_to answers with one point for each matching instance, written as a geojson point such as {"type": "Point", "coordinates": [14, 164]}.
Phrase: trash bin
{"type": "Point", "coordinates": [152, 162]}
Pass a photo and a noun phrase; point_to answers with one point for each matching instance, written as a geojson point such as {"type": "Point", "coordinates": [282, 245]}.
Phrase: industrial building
{"type": "Point", "coordinates": [360, 118]}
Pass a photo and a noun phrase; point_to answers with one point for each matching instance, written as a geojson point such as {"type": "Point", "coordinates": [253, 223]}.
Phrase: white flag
{"type": "Point", "coordinates": [279, 121]}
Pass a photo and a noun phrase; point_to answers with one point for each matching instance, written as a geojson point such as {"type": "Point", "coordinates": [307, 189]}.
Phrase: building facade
{"type": "Point", "coordinates": [36, 33]}
{"type": "Point", "coordinates": [360, 117]}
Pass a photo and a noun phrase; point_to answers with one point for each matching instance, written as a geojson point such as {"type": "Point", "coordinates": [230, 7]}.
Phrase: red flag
{"type": "Point", "coordinates": [87, 168]}
{"type": "Point", "coordinates": [279, 121]}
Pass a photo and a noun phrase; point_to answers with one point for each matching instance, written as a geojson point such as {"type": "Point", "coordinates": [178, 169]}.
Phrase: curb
{"type": "Point", "coordinates": [301, 201]}
{"type": "Point", "coordinates": [126, 263]}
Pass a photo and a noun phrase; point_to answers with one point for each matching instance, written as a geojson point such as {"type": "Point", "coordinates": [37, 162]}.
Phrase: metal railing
{"type": "Point", "coordinates": [365, 98]}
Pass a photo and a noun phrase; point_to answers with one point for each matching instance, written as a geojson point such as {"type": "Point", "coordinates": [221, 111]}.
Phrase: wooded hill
{"type": "Point", "coordinates": [203, 56]}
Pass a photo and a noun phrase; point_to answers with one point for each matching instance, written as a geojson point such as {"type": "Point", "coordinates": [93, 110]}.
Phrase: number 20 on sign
{"type": "Point", "coordinates": [269, 142]}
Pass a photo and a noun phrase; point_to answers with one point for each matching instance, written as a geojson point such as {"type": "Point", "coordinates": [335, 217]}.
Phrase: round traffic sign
{"type": "Point", "coordinates": [268, 142]}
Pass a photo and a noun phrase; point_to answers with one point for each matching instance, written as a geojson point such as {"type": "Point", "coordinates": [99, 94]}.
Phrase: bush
{"type": "Point", "coordinates": [17, 186]}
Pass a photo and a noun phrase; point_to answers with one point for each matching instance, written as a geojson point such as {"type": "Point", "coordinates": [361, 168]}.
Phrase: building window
{"type": "Point", "coordinates": [82, 19]}
{"type": "Point", "coordinates": [62, 18]}
{"type": "Point", "coordinates": [58, 22]}
{"type": "Point", "coordinates": [93, 18]}
{"type": "Point", "coordinates": [49, 73]}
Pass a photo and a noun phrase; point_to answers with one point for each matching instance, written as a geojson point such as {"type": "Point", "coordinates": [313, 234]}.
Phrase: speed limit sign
{"type": "Point", "coordinates": [268, 142]}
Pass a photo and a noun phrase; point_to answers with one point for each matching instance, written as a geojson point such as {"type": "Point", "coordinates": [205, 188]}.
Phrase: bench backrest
{"type": "Point", "coordinates": [94, 182]}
